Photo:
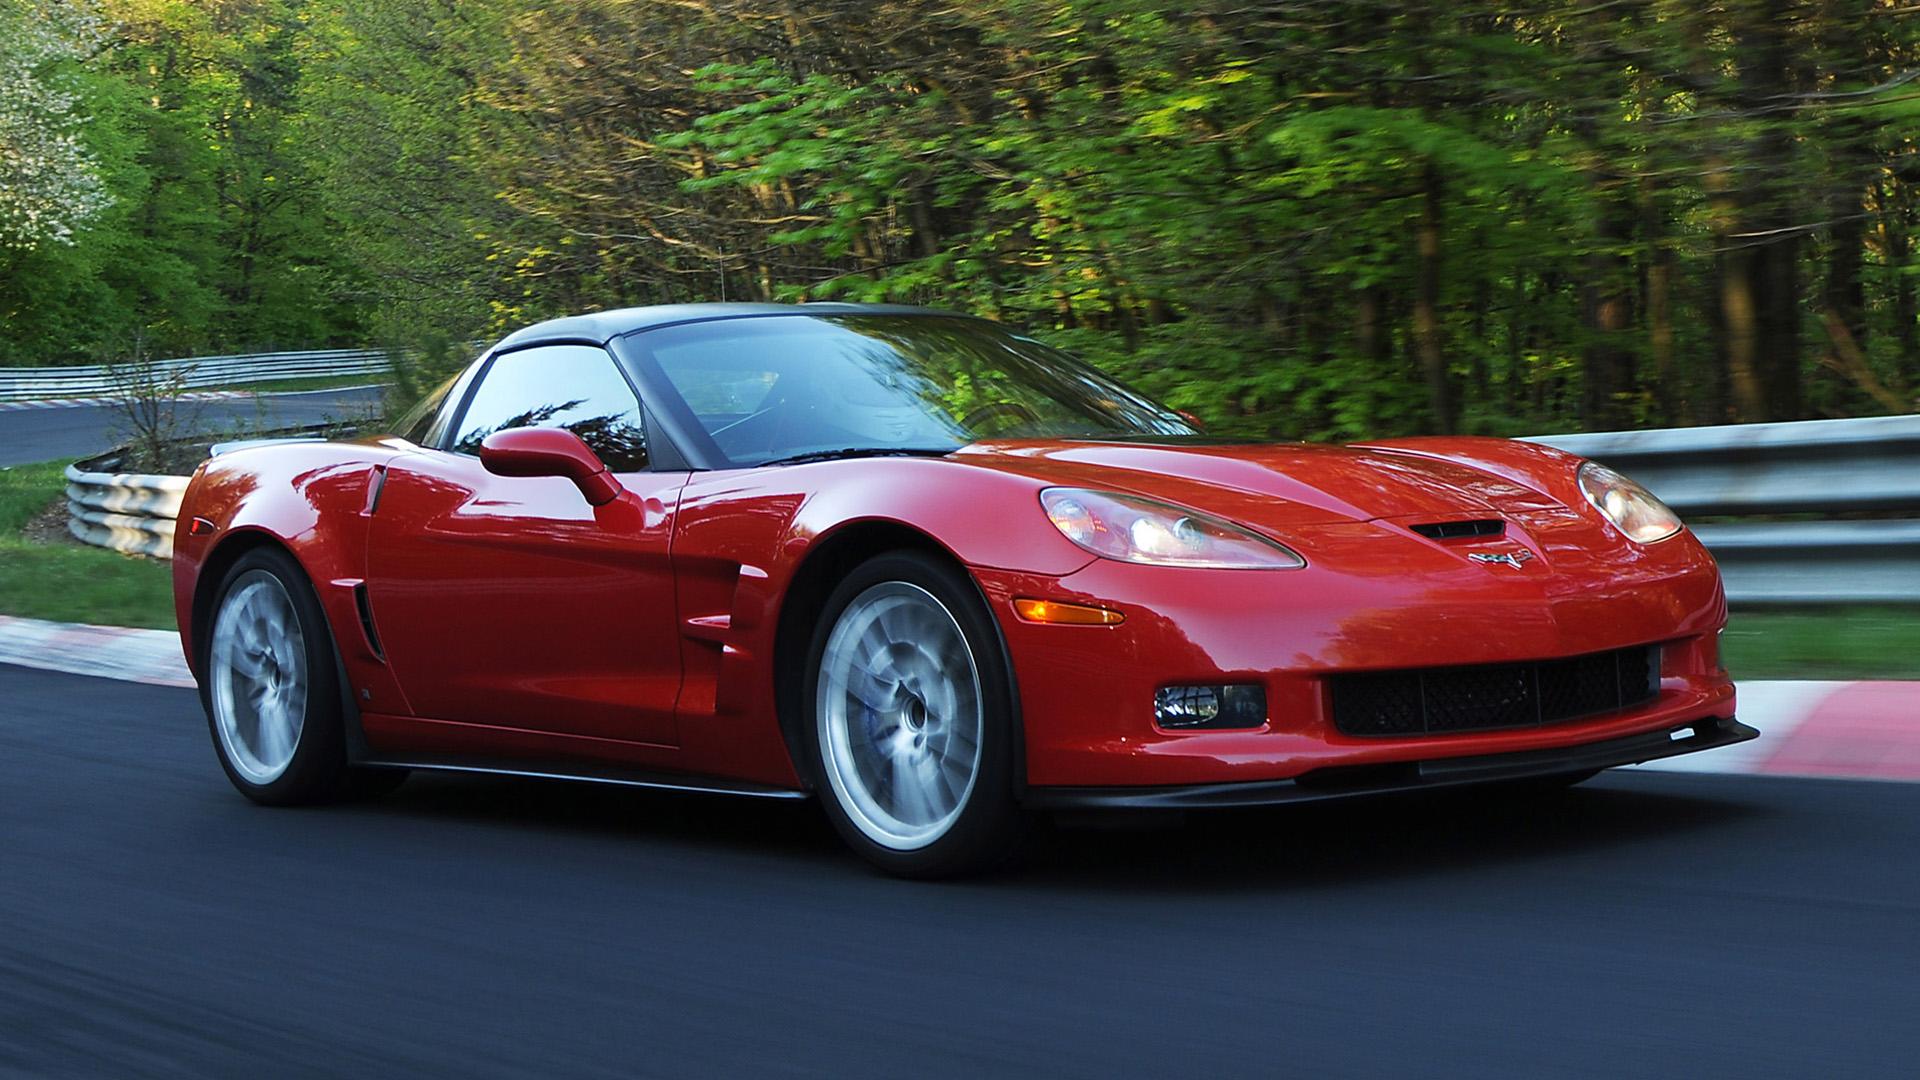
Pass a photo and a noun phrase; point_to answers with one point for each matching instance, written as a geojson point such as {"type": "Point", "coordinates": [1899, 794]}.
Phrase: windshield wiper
{"type": "Point", "coordinates": [859, 452]}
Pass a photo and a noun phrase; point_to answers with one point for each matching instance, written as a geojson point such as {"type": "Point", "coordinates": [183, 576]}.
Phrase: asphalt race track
{"type": "Point", "coordinates": [43, 434]}
{"type": "Point", "coordinates": [1649, 924]}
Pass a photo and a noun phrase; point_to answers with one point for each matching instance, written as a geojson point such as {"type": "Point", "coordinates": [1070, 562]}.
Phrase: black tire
{"type": "Point", "coordinates": [318, 770]}
{"type": "Point", "coordinates": [990, 824]}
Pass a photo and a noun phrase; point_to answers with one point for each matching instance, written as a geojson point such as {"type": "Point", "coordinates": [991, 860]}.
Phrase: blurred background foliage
{"type": "Point", "coordinates": [1315, 219]}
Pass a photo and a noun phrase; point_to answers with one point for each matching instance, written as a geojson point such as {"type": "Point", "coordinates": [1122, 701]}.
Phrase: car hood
{"type": "Point", "coordinates": [1285, 485]}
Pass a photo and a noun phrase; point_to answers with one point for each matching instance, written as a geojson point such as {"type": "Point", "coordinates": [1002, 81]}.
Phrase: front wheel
{"type": "Point", "coordinates": [272, 690]}
{"type": "Point", "coordinates": [911, 703]}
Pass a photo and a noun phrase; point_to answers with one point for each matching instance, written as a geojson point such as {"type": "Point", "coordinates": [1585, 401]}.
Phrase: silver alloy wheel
{"type": "Point", "coordinates": [898, 715]}
{"type": "Point", "coordinates": [259, 677]}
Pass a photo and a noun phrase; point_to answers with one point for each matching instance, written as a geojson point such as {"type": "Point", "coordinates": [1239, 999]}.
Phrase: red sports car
{"type": "Point", "coordinates": [933, 572]}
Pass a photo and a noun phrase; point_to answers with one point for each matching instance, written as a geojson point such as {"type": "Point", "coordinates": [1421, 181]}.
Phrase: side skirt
{"type": "Point", "coordinates": [580, 771]}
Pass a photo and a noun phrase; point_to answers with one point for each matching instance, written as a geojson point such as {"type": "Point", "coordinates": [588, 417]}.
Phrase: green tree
{"type": "Point", "coordinates": [49, 181]}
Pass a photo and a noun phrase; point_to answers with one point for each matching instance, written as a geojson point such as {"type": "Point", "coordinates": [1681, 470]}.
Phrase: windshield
{"type": "Point", "coordinates": [768, 389]}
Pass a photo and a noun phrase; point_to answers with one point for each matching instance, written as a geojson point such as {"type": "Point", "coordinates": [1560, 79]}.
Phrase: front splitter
{"type": "Point", "coordinates": [1348, 781]}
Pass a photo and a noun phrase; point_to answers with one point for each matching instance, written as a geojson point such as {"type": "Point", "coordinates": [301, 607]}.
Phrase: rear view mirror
{"type": "Point", "coordinates": [537, 451]}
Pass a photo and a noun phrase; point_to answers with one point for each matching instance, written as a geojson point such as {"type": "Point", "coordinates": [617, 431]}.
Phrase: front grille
{"type": "Point", "coordinates": [1455, 530]}
{"type": "Point", "coordinates": [1437, 701]}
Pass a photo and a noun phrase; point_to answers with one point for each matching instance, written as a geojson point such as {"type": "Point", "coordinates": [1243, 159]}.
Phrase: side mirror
{"type": "Point", "coordinates": [537, 451]}
{"type": "Point", "coordinates": [1198, 424]}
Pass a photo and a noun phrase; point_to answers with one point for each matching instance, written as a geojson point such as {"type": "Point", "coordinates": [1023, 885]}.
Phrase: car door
{"type": "Point", "coordinates": [511, 601]}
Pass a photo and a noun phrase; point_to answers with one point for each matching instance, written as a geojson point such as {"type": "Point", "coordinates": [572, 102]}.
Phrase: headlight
{"type": "Point", "coordinates": [1631, 508]}
{"type": "Point", "coordinates": [1136, 530]}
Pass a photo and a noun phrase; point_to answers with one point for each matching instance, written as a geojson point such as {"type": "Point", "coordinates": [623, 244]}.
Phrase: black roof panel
{"type": "Point", "coordinates": [603, 326]}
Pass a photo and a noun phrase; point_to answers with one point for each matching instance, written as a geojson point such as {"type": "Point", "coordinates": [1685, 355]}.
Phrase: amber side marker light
{"type": "Point", "coordinates": [1053, 611]}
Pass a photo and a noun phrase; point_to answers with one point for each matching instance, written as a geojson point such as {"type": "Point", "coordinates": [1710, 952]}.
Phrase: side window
{"type": "Point", "coordinates": [426, 422]}
{"type": "Point", "coordinates": [418, 422]}
{"type": "Point", "coordinates": [575, 387]}
{"type": "Point", "coordinates": [436, 432]}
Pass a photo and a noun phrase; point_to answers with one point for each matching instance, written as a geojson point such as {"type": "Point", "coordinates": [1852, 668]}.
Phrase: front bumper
{"type": "Point", "coordinates": [1338, 782]}
{"type": "Point", "coordinates": [1086, 692]}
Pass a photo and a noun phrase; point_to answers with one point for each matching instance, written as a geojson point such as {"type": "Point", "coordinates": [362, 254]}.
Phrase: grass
{"type": "Point", "coordinates": [1840, 643]}
{"type": "Point", "coordinates": [313, 382]}
{"type": "Point", "coordinates": [71, 582]}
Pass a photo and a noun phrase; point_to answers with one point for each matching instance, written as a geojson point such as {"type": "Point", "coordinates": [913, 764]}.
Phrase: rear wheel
{"type": "Point", "coordinates": [911, 709]}
{"type": "Point", "coordinates": [272, 691]}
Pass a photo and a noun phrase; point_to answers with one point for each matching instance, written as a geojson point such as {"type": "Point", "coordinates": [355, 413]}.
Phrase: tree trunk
{"type": "Point", "coordinates": [1897, 239]}
{"type": "Point", "coordinates": [1715, 398]}
{"type": "Point", "coordinates": [1479, 363]}
{"type": "Point", "coordinates": [1606, 315]}
{"type": "Point", "coordinates": [1739, 311]}
{"type": "Point", "coordinates": [1370, 336]}
{"type": "Point", "coordinates": [1762, 287]}
{"type": "Point", "coordinates": [1670, 399]}
{"type": "Point", "coordinates": [1780, 330]}
{"type": "Point", "coordinates": [1426, 305]}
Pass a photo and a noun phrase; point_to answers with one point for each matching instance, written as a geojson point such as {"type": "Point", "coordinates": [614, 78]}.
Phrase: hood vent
{"type": "Point", "coordinates": [1459, 530]}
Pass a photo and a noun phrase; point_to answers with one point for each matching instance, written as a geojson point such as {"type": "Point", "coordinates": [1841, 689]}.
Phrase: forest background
{"type": "Point", "coordinates": [1315, 219]}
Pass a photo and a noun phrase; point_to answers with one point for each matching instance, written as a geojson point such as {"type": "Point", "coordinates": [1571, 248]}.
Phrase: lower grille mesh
{"type": "Point", "coordinates": [1442, 700]}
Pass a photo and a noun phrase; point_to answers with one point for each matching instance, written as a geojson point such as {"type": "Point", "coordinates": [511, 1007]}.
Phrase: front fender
{"type": "Point", "coordinates": [313, 499]}
{"type": "Point", "coordinates": [1545, 469]}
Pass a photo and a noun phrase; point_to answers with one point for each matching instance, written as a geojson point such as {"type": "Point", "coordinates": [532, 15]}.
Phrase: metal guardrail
{"type": "Point", "coordinates": [1806, 469]}
{"type": "Point", "coordinates": [197, 372]}
{"type": "Point", "coordinates": [130, 512]}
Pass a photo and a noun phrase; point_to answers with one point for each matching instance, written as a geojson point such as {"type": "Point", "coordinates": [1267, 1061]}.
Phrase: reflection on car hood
{"type": "Point", "coordinates": [1287, 484]}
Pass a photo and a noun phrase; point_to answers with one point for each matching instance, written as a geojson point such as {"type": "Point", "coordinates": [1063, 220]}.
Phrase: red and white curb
{"type": "Point", "coordinates": [1851, 730]}
{"type": "Point", "coordinates": [110, 652]}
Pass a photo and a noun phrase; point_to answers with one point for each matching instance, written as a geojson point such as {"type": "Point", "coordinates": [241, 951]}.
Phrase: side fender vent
{"type": "Point", "coordinates": [376, 484]}
{"type": "Point", "coordinates": [364, 606]}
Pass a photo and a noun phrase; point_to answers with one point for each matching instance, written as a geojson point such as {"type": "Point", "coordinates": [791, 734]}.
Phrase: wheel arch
{"type": "Point", "coordinates": [826, 562]}
{"type": "Point", "coordinates": [218, 561]}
